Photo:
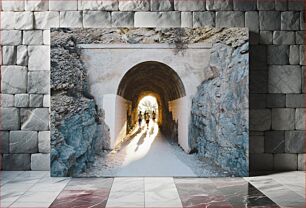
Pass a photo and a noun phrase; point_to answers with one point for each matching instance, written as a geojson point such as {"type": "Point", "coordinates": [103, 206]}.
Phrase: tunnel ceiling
{"type": "Point", "coordinates": [151, 76]}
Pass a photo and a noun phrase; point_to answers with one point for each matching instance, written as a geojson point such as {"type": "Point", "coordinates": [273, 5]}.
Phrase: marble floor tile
{"type": "Point", "coordinates": [128, 184]}
{"type": "Point", "coordinates": [35, 199]}
{"type": "Point", "coordinates": [7, 176]}
{"type": "Point", "coordinates": [50, 184]}
{"type": "Point", "coordinates": [154, 184]}
{"type": "Point", "coordinates": [277, 192]}
{"type": "Point", "coordinates": [9, 199]}
{"type": "Point", "coordinates": [192, 180]}
{"type": "Point", "coordinates": [162, 198]}
{"type": "Point", "coordinates": [89, 184]}
{"type": "Point", "coordinates": [14, 187]}
{"type": "Point", "coordinates": [81, 199]}
{"type": "Point", "coordinates": [198, 195]}
{"type": "Point", "coordinates": [126, 200]}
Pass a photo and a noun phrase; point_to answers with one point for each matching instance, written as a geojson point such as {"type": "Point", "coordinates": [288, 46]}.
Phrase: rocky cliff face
{"type": "Point", "coordinates": [219, 127]}
{"type": "Point", "coordinates": [76, 124]}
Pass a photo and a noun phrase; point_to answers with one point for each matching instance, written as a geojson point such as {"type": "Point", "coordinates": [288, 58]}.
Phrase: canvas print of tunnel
{"type": "Point", "coordinates": [150, 102]}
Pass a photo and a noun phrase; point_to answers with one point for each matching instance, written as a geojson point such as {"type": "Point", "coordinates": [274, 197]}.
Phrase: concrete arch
{"type": "Point", "coordinates": [161, 81]}
{"type": "Point", "coordinates": [152, 76]}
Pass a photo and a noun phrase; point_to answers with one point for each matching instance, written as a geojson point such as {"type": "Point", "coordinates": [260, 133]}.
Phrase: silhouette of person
{"type": "Point", "coordinates": [153, 116]}
{"type": "Point", "coordinates": [147, 118]}
{"type": "Point", "coordinates": [139, 118]}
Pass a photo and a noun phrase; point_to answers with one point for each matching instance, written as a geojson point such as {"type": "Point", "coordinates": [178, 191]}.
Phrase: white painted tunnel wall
{"type": "Point", "coordinates": [115, 108]}
{"type": "Point", "coordinates": [180, 109]}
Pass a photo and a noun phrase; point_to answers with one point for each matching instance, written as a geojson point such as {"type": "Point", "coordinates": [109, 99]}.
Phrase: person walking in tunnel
{"type": "Point", "coordinates": [147, 118]}
{"type": "Point", "coordinates": [153, 116]}
{"type": "Point", "coordinates": [139, 119]}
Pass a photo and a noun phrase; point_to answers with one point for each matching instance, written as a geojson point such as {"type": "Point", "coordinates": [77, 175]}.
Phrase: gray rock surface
{"type": "Point", "coordinates": [22, 55]}
{"type": "Point", "coordinates": [102, 5]}
{"type": "Point", "coordinates": [260, 120]}
{"type": "Point", "coordinates": [301, 162]}
{"type": "Point", "coordinates": [4, 141]}
{"type": "Point", "coordinates": [40, 162]}
{"type": "Point", "coordinates": [278, 54]}
{"type": "Point", "coordinates": [251, 21]}
{"type": "Point", "coordinates": [300, 119]}
{"type": "Point", "coordinates": [202, 19]}
{"type": "Point", "coordinates": [14, 79]}
{"type": "Point", "coordinates": [290, 21]}
{"type": "Point", "coordinates": [294, 54]}
{"type": "Point", "coordinates": [257, 144]}
{"type": "Point", "coordinates": [262, 161]}
{"type": "Point", "coordinates": [269, 20]}
{"type": "Point", "coordinates": [283, 38]}
{"type": "Point", "coordinates": [219, 4]}
{"type": "Point", "coordinates": [281, 5]}
{"type": "Point", "coordinates": [11, 37]}
{"type": "Point", "coordinates": [186, 19]}
{"type": "Point", "coordinates": [23, 142]}
{"type": "Point", "coordinates": [265, 5]}
{"type": "Point", "coordinates": [39, 58]}
{"type": "Point", "coordinates": [39, 82]}
{"type": "Point", "coordinates": [213, 106]}
{"type": "Point", "coordinates": [285, 162]}
{"type": "Point", "coordinates": [21, 100]}
{"type": "Point", "coordinates": [283, 119]}
{"type": "Point", "coordinates": [274, 141]}
{"type": "Point", "coordinates": [122, 19]}
{"type": "Point", "coordinates": [9, 55]}
{"type": "Point", "coordinates": [36, 100]}
{"type": "Point", "coordinates": [24, 20]}
{"type": "Point", "coordinates": [35, 120]}
{"type": "Point", "coordinates": [7, 100]}
{"type": "Point", "coordinates": [299, 37]}
{"type": "Point", "coordinates": [44, 141]}
{"type": "Point", "coordinates": [32, 37]}
{"type": "Point", "coordinates": [71, 19]}
{"type": "Point", "coordinates": [162, 5]}
{"type": "Point", "coordinates": [37, 5]}
{"type": "Point", "coordinates": [266, 37]}
{"type": "Point", "coordinates": [96, 19]}
{"type": "Point", "coordinates": [10, 119]}
{"type": "Point", "coordinates": [157, 19]}
{"type": "Point", "coordinates": [134, 5]}
{"type": "Point", "coordinates": [294, 139]}
{"type": "Point", "coordinates": [295, 100]}
{"type": "Point", "coordinates": [63, 5]}
{"type": "Point", "coordinates": [74, 117]}
{"type": "Point", "coordinates": [244, 5]}
{"type": "Point", "coordinates": [195, 5]}
{"type": "Point", "coordinates": [16, 162]}
{"type": "Point", "coordinates": [229, 19]}
{"type": "Point", "coordinates": [285, 79]}
{"type": "Point", "coordinates": [276, 101]}
{"type": "Point", "coordinates": [46, 20]}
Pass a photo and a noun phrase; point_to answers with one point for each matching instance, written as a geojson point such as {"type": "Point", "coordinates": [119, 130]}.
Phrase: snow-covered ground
{"type": "Point", "coordinates": [147, 152]}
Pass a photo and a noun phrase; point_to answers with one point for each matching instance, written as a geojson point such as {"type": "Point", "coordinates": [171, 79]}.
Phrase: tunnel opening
{"type": "Point", "coordinates": [156, 80]}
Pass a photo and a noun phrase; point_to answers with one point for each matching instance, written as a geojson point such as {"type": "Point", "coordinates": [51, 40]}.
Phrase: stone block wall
{"type": "Point", "coordinates": [276, 67]}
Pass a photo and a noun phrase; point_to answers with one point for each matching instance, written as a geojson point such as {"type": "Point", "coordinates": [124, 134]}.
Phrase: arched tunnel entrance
{"type": "Point", "coordinates": [158, 80]}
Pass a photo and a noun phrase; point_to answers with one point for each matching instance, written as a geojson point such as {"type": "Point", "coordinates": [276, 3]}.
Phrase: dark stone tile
{"type": "Point", "coordinates": [221, 192]}
{"type": "Point", "coordinates": [81, 199]}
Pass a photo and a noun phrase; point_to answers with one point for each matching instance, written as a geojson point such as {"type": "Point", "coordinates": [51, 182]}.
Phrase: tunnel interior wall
{"type": "Point", "coordinates": [116, 111]}
{"type": "Point", "coordinates": [180, 112]}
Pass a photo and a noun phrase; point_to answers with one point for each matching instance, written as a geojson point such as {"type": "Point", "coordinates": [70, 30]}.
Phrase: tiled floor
{"type": "Point", "coordinates": [37, 189]}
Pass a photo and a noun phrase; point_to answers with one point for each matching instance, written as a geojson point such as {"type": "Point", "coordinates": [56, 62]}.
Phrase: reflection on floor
{"type": "Point", "coordinates": [37, 189]}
